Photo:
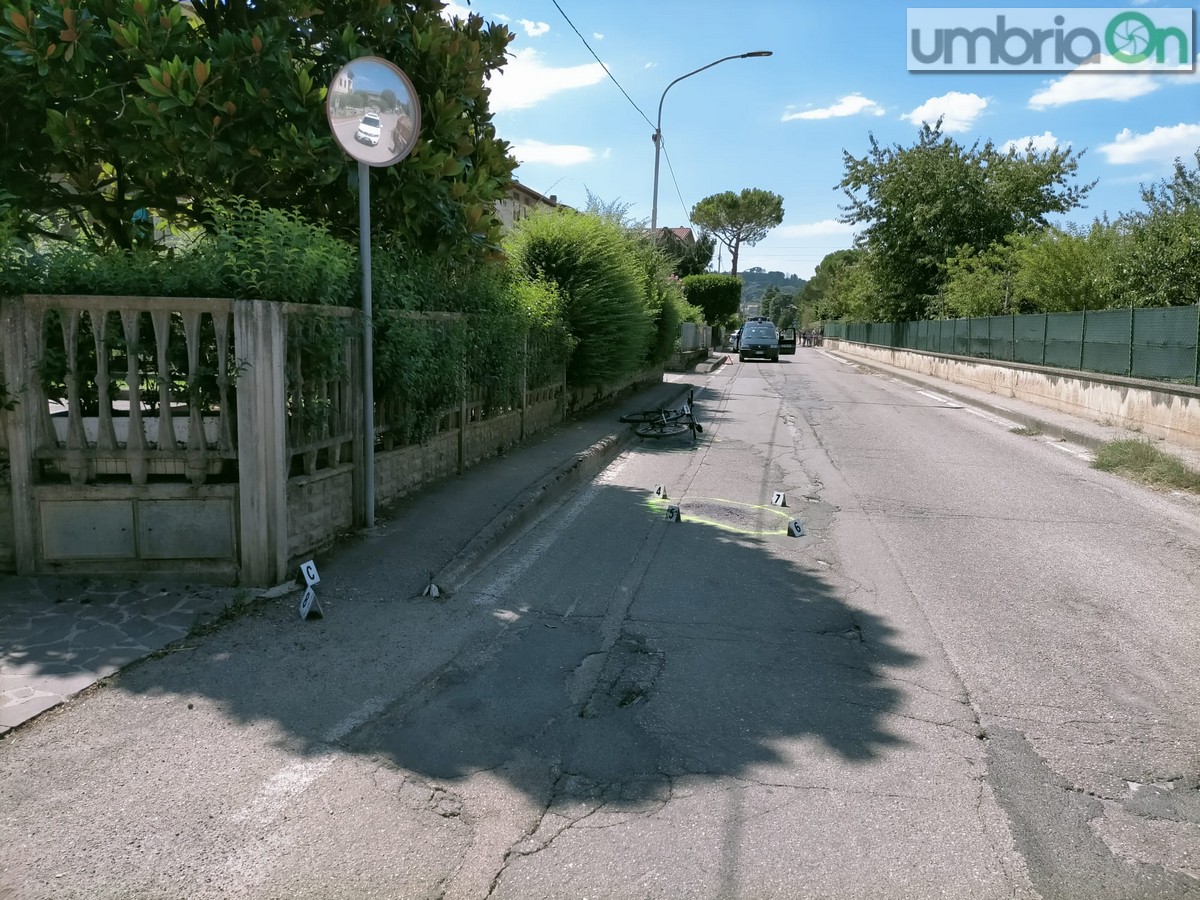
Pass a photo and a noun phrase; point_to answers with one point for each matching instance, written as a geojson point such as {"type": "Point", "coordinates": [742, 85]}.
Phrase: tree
{"type": "Point", "coordinates": [1162, 264]}
{"type": "Point", "coordinates": [737, 219]}
{"type": "Point", "coordinates": [689, 258]}
{"type": "Point", "coordinates": [119, 106]}
{"type": "Point", "coordinates": [922, 204]}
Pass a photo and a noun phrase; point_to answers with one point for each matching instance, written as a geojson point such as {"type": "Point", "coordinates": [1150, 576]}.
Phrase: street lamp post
{"type": "Point", "coordinates": [657, 136]}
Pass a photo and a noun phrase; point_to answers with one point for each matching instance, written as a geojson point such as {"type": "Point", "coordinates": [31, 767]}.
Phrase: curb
{"type": "Point", "coordinates": [711, 364]}
{"type": "Point", "coordinates": [527, 507]}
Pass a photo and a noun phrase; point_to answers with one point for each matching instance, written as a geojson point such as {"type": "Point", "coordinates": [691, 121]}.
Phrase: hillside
{"type": "Point", "coordinates": [756, 280]}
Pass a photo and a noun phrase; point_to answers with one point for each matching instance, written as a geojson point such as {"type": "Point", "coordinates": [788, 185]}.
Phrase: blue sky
{"type": "Point", "coordinates": [839, 72]}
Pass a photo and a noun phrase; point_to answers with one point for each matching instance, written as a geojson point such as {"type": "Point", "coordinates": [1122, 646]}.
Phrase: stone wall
{"type": "Point", "coordinates": [490, 437]}
{"type": "Point", "coordinates": [319, 508]}
{"type": "Point", "coordinates": [397, 472]}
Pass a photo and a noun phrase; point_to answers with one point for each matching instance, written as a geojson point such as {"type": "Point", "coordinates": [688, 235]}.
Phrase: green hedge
{"type": "Point", "coordinates": [718, 296]}
{"type": "Point", "coordinates": [601, 289]}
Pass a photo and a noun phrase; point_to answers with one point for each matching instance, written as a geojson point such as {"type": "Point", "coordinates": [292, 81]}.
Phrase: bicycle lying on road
{"type": "Point", "coordinates": [658, 423]}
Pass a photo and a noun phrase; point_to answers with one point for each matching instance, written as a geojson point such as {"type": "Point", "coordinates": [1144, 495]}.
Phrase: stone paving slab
{"type": "Point", "coordinates": [60, 635]}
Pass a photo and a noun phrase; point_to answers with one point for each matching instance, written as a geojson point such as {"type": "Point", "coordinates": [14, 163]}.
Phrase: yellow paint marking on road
{"type": "Point", "coordinates": [699, 509]}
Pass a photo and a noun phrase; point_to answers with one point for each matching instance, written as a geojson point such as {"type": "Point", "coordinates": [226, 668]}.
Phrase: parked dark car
{"type": "Point", "coordinates": [760, 340]}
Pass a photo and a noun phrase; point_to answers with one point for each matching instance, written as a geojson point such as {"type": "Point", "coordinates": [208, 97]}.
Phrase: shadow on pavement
{"type": "Point", "coordinates": [727, 653]}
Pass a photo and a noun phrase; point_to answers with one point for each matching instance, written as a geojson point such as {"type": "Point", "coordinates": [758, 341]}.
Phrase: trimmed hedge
{"type": "Point", "coordinates": [719, 296]}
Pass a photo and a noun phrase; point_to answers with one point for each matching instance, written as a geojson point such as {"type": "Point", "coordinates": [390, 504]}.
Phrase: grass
{"type": "Point", "coordinates": [1144, 462]}
{"type": "Point", "coordinates": [1026, 431]}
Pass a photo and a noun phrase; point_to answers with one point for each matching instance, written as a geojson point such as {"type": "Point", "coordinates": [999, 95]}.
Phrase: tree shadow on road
{"type": "Point", "coordinates": [731, 648]}
{"type": "Point", "coordinates": [678, 649]}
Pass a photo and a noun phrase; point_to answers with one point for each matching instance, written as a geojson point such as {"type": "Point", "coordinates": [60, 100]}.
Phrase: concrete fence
{"type": "Point", "coordinates": [207, 437]}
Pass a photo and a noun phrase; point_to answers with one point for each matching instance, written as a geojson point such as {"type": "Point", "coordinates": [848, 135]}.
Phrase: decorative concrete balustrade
{"type": "Point", "coordinates": [214, 437]}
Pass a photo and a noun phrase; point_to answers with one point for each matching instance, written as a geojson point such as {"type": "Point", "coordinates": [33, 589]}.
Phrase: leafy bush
{"type": "Point", "coordinates": [250, 253]}
{"type": "Point", "coordinates": [441, 326]}
{"type": "Point", "coordinates": [718, 296]}
{"type": "Point", "coordinates": [662, 296]}
{"type": "Point", "coordinates": [274, 254]}
{"type": "Point", "coordinates": [600, 287]}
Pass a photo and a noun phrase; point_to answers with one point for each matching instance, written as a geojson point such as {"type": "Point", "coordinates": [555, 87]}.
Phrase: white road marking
{"type": "Point", "coordinates": [940, 399]}
{"type": "Point", "coordinates": [293, 779]}
{"type": "Point", "coordinates": [837, 359]}
{"type": "Point", "coordinates": [1077, 452]}
{"type": "Point", "coordinates": [499, 586]}
{"type": "Point", "coordinates": [245, 868]}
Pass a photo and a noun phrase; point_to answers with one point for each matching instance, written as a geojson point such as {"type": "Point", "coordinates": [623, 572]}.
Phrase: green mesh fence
{"type": "Point", "coordinates": [1161, 344]}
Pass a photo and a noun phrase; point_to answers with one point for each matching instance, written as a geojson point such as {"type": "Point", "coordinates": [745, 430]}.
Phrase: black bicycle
{"type": "Point", "coordinates": [659, 423]}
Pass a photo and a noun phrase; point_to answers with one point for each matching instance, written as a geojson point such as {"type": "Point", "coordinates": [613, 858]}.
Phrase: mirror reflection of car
{"type": "Point", "coordinates": [369, 130]}
{"type": "Point", "coordinates": [760, 340]}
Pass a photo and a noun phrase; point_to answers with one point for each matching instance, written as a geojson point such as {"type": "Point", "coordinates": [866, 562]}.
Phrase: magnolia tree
{"type": "Point", "coordinates": [119, 109]}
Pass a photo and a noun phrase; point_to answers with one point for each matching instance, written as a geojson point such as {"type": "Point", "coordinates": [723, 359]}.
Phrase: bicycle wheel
{"type": "Point", "coordinates": [662, 429]}
{"type": "Point", "coordinates": [647, 415]}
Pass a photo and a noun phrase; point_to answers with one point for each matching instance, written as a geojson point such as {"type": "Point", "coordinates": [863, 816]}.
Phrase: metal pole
{"type": "Point", "coordinates": [1196, 374]}
{"type": "Point", "coordinates": [657, 136]}
{"type": "Point", "coordinates": [364, 252]}
{"type": "Point", "coordinates": [1082, 339]}
{"type": "Point", "coordinates": [1129, 371]}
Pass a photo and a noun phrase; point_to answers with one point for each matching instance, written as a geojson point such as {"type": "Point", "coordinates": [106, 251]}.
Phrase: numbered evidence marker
{"type": "Point", "coordinates": [796, 528]}
{"type": "Point", "coordinates": [779, 498]}
{"type": "Point", "coordinates": [309, 601]}
{"type": "Point", "coordinates": [673, 514]}
{"type": "Point", "coordinates": [660, 491]}
{"type": "Point", "coordinates": [309, 571]}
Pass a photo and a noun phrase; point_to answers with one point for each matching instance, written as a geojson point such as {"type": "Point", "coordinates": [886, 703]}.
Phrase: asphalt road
{"type": "Point", "coordinates": [973, 676]}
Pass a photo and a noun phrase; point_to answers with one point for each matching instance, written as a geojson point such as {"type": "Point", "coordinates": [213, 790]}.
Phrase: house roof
{"type": "Point", "coordinates": [530, 196]}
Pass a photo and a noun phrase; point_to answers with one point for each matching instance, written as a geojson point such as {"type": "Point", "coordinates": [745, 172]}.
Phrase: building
{"type": "Point", "coordinates": [521, 200]}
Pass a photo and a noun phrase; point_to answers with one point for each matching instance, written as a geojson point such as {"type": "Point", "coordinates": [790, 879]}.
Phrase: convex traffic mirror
{"type": "Point", "coordinates": [373, 111]}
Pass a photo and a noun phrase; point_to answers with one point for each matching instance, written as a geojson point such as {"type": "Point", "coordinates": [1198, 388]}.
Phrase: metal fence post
{"type": "Point", "coordinates": [1082, 338]}
{"type": "Point", "coordinates": [1196, 374]}
{"type": "Point", "coordinates": [1045, 335]}
{"type": "Point", "coordinates": [1012, 350]}
{"type": "Point", "coordinates": [524, 383]}
{"type": "Point", "coordinates": [1129, 369]}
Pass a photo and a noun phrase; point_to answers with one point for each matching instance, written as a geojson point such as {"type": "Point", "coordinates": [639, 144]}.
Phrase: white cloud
{"type": "Point", "coordinates": [649, 65]}
{"type": "Point", "coordinates": [525, 81]}
{"type": "Point", "coordinates": [597, 35]}
{"type": "Point", "coordinates": [452, 11]}
{"type": "Point", "coordinates": [1081, 85]}
{"type": "Point", "coordinates": [850, 105]}
{"type": "Point", "coordinates": [552, 154]}
{"type": "Point", "coordinates": [1041, 142]}
{"type": "Point", "coordinates": [823, 228]}
{"type": "Point", "coordinates": [534, 29]}
{"type": "Point", "coordinates": [1163, 144]}
{"type": "Point", "coordinates": [957, 110]}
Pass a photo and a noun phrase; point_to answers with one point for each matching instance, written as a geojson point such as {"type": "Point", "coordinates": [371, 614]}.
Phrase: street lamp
{"type": "Point", "coordinates": [657, 136]}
